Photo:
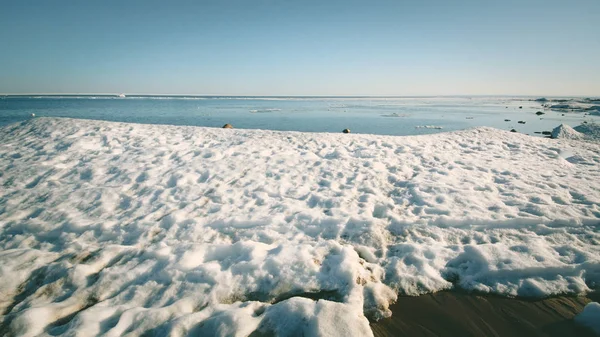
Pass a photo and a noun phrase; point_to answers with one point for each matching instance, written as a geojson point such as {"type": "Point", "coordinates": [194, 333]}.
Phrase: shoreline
{"type": "Point", "coordinates": [459, 313]}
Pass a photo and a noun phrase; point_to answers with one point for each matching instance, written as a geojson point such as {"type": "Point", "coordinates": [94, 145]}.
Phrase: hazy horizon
{"type": "Point", "coordinates": [307, 48]}
{"type": "Point", "coordinates": [134, 94]}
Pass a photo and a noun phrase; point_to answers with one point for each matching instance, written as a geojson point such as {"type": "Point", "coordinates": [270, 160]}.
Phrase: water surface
{"type": "Point", "coordinates": [387, 116]}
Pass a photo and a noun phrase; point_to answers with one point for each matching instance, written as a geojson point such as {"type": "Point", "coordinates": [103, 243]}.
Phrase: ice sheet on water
{"type": "Point", "coordinates": [113, 228]}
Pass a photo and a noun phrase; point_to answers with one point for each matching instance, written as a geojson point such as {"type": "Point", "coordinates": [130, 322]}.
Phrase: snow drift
{"type": "Point", "coordinates": [590, 317]}
{"type": "Point", "coordinates": [112, 228]}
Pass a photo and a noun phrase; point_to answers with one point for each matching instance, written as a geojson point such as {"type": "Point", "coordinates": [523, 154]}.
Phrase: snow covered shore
{"type": "Point", "coordinates": [122, 228]}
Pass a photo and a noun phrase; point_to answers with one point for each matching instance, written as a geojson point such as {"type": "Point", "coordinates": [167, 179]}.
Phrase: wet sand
{"type": "Point", "coordinates": [462, 314]}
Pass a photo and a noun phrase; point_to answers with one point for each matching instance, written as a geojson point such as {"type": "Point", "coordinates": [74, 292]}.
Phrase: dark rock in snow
{"type": "Point", "coordinates": [539, 113]}
{"type": "Point", "coordinates": [513, 130]}
{"type": "Point", "coordinates": [521, 122]}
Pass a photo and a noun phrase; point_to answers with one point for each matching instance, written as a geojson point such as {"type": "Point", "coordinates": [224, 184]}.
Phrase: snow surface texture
{"type": "Point", "coordinates": [112, 228]}
{"type": "Point", "coordinates": [590, 317]}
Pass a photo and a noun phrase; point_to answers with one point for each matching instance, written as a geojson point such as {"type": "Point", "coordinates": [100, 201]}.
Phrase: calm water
{"type": "Point", "coordinates": [389, 116]}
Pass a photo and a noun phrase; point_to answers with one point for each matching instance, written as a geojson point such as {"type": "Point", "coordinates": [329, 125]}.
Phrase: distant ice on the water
{"type": "Point", "coordinates": [437, 127]}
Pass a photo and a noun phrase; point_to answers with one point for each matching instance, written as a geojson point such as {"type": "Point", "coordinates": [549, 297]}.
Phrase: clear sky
{"type": "Point", "coordinates": [277, 47]}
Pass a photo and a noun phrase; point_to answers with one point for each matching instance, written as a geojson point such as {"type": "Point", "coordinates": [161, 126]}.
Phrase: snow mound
{"type": "Point", "coordinates": [587, 131]}
{"type": "Point", "coordinates": [590, 130]}
{"type": "Point", "coordinates": [565, 131]}
{"type": "Point", "coordinates": [590, 317]}
{"type": "Point", "coordinates": [113, 228]}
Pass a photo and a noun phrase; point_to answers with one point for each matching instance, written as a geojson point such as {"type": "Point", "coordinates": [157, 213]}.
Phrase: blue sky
{"type": "Point", "coordinates": [271, 47]}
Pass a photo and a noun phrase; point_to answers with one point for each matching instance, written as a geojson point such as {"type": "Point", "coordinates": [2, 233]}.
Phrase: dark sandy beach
{"type": "Point", "coordinates": [462, 314]}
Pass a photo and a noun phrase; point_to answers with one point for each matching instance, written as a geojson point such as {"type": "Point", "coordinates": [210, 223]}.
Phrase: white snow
{"type": "Point", "coordinates": [112, 228]}
{"type": "Point", "coordinates": [590, 317]}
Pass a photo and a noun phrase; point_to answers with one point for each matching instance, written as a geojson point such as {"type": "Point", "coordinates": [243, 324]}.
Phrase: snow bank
{"type": "Point", "coordinates": [112, 228]}
{"type": "Point", "coordinates": [590, 317]}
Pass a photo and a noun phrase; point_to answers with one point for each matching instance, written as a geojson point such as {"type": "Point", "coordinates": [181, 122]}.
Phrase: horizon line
{"type": "Point", "coordinates": [289, 96]}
